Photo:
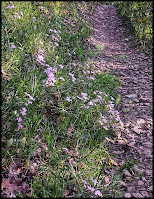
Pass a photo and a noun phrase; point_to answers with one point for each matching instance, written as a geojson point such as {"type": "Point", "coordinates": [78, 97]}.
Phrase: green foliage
{"type": "Point", "coordinates": [140, 16]}
{"type": "Point", "coordinates": [57, 118]}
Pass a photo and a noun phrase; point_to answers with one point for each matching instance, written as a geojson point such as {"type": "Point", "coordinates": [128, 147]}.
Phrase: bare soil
{"type": "Point", "coordinates": [135, 71]}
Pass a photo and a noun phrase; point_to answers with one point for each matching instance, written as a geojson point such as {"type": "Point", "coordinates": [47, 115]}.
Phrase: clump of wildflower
{"type": "Point", "coordinates": [61, 78]}
{"type": "Point", "coordinates": [24, 110]}
{"type": "Point", "coordinates": [40, 57]}
{"type": "Point", "coordinates": [17, 15]}
{"type": "Point", "coordinates": [73, 78]}
{"type": "Point", "coordinates": [68, 98]}
{"type": "Point", "coordinates": [61, 66]}
{"type": "Point", "coordinates": [92, 189]}
{"type": "Point", "coordinates": [13, 46]}
{"type": "Point", "coordinates": [19, 124]}
{"type": "Point", "coordinates": [51, 80]}
{"type": "Point", "coordinates": [31, 98]}
{"type": "Point", "coordinates": [10, 7]}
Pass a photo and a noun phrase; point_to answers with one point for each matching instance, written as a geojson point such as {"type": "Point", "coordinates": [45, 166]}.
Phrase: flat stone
{"type": "Point", "coordinates": [137, 195]}
{"type": "Point", "coordinates": [148, 172]}
{"type": "Point", "coordinates": [132, 143]}
{"type": "Point", "coordinates": [144, 194]}
{"type": "Point", "coordinates": [143, 178]}
{"type": "Point", "coordinates": [140, 183]}
{"type": "Point", "coordinates": [129, 189]}
{"type": "Point", "coordinates": [137, 130]}
{"type": "Point", "coordinates": [149, 156]}
{"type": "Point", "coordinates": [151, 188]}
{"type": "Point", "coordinates": [147, 144]}
{"type": "Point", "coordinates": [127, 195]}
{"type": "Point", "coordinates": [137, 170]}
{"type": "Point", "coordinates": [132, 96]}
{"type": "Point", "coordinates": [126, 173]}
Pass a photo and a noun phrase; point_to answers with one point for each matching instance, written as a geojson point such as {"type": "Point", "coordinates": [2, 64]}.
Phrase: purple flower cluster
{"type": "Point", "coordinates": [68, 98]}
{"type": "Point", "coordinates": [92, 189]}
{"type": "Point", "coordinates": [24, 110]}
{"type": "Point", "coordinates": [40, 57]}
{"type": "Point", "coordinates": [73, 78]}
{"type": "Point", "coordinates": [17, 15]}
{"type": "Point", "coordinates": [112, 119]}
{"type": "Point", "coordinates": [55, 36]}
{"type": "Point", "coordinates": [51, 80]}
{"type": "Point", "coordinates": [11, 7]}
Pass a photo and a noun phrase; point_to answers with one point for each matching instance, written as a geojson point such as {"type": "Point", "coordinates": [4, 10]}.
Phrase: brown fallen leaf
{"type": "Point", "coordinates": [5, 183]}
{"type": "Point", "coordinates": [67, 192]}
{"type": "Point", "coordinates": [106, 180]}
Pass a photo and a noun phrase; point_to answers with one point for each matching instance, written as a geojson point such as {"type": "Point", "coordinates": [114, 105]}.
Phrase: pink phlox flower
{"type": "Point", "coordinates": [23, 111]}
{"type": "Point", "coordinates": [122, 124]}
{"type": "Point", "coordinates": [19, 119]}
{"type": "Point", "coordinates": [68, 99]}
{"type": "Point", "coordinates": [99, 96]}
{"type": "Point", "coordinates": [92, 78]}
{"type": "Point", "coordinates": [84, 95]}
{"type": "Point", "coordinates": [13, 46]}
{"type": "Point", "coordinates": [97, 192]}
{"type": "Point", "coordinates": [61, 66]}
{"type": "Point", "coordinates": [17, 15]}
{"type": "Point", "coordinates": [94, 181]}
{"type": "Point", "coordinates": [74, 64]}
{"type": "Point", "coordinates": [87, 107]}
{"type": "Point", "coordinates": [117, 118]}
{"type": "Point", "coordinates": [79, 97]}
{"type": "Point", "coordinates": [61, 78]}
{"type": "Point", "coordinates": [84, 181]}
{"type": "Point", "coordinates": [112, 98]}
{"type": "Point", "coordinates": [72, 75]}
{"type": "Point", "coordinates": [40, 58]}
{"type": "Point", "coordinates": [55, 31]}
{"type": "Point", "coordinates": [20, 126]}
{"type": "Point", "coordinates": [105, 127]}
{"type": "Point", "coordinates": [47, 35]}
{"type": "Point", "coordinates": [29, 102]}
{"type": "Point", "coordinates": [48, 70]}
{"type": "Point", "coordinates": [91, 188]}
{"type": "Point", "coordinates": [73, 78]}
{"type": "Point", "coordinates": [91, 103]}
{"type": "Point", "coordinates": [10, 7]}
{"type": "Point", "coordinates": [54, 38]}
{"type": "Point", "coordinates": [29, 97]}
{"type": "Point", "coordinates": [54, 70]}
{"type": "Point", "coordinates": [56, 44]}
{"type": "Point", "coordinates": [51, 77]}
{"type": "Point", "coordinates": [101, 123]}
{"type": "Point", "coordinates": [50, 42]}
{"type": "Point", "coordinates": [104, 120]}
{"type": "Point", "coordinates": [50, 30]}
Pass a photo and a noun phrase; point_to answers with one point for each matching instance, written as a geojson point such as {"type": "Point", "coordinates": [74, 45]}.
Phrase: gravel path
{"type": "Point", "coordinates": [134, 70]}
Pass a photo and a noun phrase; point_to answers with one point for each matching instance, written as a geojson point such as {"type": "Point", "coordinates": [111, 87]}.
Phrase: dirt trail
{"type": "Point", "coordinates": [134, 70]}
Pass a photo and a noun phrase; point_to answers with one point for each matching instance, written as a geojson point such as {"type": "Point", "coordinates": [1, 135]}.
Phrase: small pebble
{"type": "Point", "coordinates": [140, 183]}
{"type": "Point", "coordinates": [127, 195]}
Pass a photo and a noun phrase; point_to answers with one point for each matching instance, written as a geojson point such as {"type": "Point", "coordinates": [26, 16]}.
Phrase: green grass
{"type": "Point", "coordinates": [58, 118]}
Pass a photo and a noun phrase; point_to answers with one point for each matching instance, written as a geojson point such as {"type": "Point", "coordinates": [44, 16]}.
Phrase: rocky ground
{"type": "Point", "coordinates": [135, 71]}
